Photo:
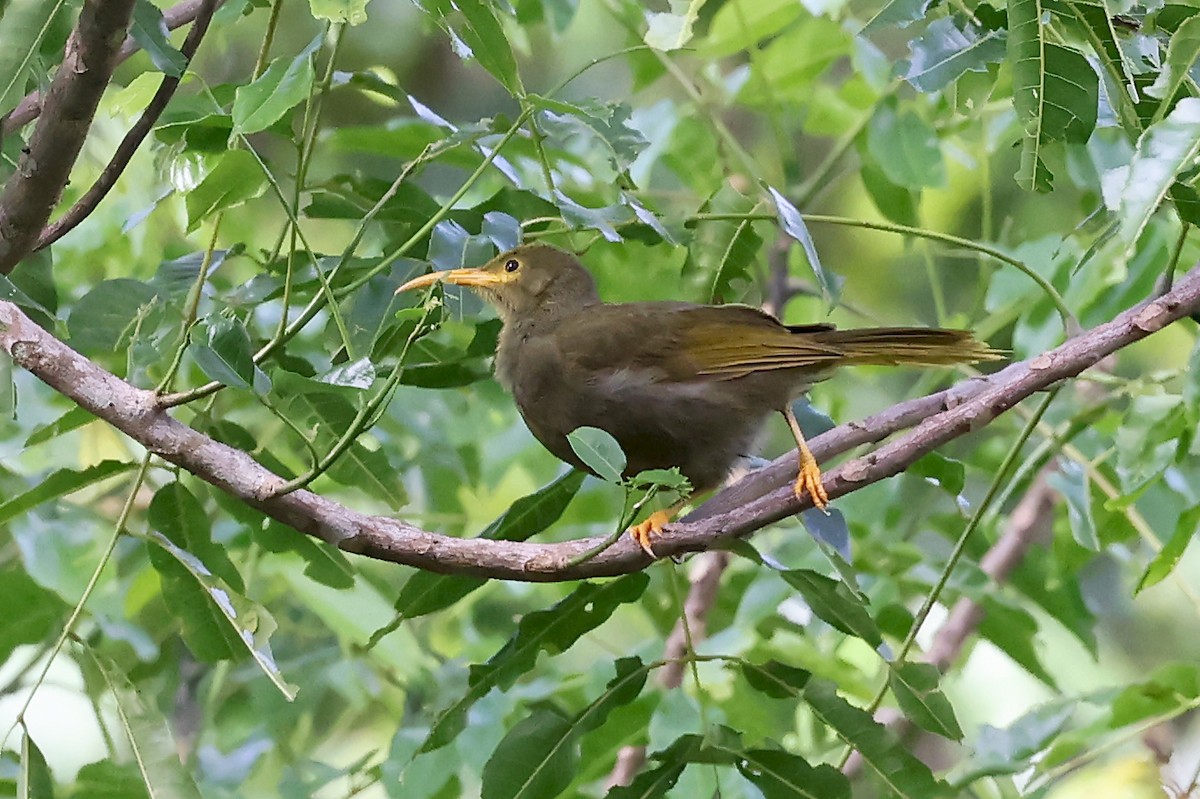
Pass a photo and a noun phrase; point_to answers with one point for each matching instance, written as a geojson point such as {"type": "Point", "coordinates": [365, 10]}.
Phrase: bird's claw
{"type": "Point", "coordinates": [651, 528]}
{"type": "Point", "coordinates": [809, 480]}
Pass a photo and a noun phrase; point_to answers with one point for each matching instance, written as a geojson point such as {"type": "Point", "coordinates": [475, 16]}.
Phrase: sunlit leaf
{"type": "Point", "coordinates": [282, 86]}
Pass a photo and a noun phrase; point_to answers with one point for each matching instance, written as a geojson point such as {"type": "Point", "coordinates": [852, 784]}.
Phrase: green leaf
{"type": "Point", "coordinates": [653, 783]}
{"type": "Point", "coordinates": [146, 735]}
{"type": "Point", "coordinates": [1173, 687]}
{"type": "Point", "coordinates": [150, 33]}
{"type": "Point", "coordinates": [599, 452]}
{"type": "Point", "coordinates": [236, 178]}
{"type": "Point", "coordinates": [60, 483]}
{"type": "Point", "coordinates": [323, 562]}
{"type": "Point", "coordinates": [948, 474]}
{"type": "Point", "coordinates": [426, 592]}
{"type": "Point", "coordinates": [1183, 49]}
{"type": "Point", "coordinates": [552, 630]}
{"type": "Point", "coordinates": [106, 318]}
{"type": "Point", "coordinates": [915, 686]}
{"type": "Point", "coordinates": [280, 88]}
{"type": "Point", "coordinates": [1055, 92]}
{"type": "Point", "coordinates": [945, 51]}
{"type": "Point", "coordinates": [34, 612]}
{"type": "Point", "coordinates": [532, 760]}
{"type": "Point", "coordinates": [668, 31]}
{"type": "Point", "coordinates": [104, 779]}
{"type": "Point", "coordinates": [218, 622]}
{"type": "Point", "coordinates": [1168, 557]}
{"type": "Point", "coordinates": [1073, 483]}
{"type": "Point", "coordinates": [1010, 750]}
{"type": "Point", "coordinates": [775, 679]}
{"type": "Point", "coordinates": [792, 224]}
{"type": "Point", "coordinates": [475, 32]}
{"type": "Point", "coordinates": [25, 25]}
{"type": "Point", "coordinates": [177, 514]}
{"type": "Point", "coordinates": [906, 148]}
{"type": "Point", "coordinates": [34, 781]}
{"type": "Point", "coordinates": [897, 14]}
{"type": "Point", "coordinates": [724, 252]}
{"type": "Point", "coordinates": [835, 604]}
{"type": "Point", "coordinates": [901, 773]}
{"type": "Point", "coordinates": [783, 775]}
{"type": "Point", "coordinates": [1163, 151]}
{"type": "Point", "coordinates": [353, 12]}
{"type": "Point", "coordinates": [738, 24]}
{"type": "Point", "coordinates": [71, 420]}
{"type": "Point", "coordinates": [1013, 630]}
{"type": "Point", "coordinates": [603, 124]}
{"type": "Point", "coordinates": [226, 355]}
{"type": "Point", "coordinates": [540, 755]}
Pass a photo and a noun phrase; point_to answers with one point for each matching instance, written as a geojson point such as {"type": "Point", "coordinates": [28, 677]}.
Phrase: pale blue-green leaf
{"type": "Point", "coordinates": [352, 374]}
{"type": "Point", "coordinates": [1163, 151]}
{"type": "Point", "coordinates": [599, 451]}
{"type": "Point", "coordinates": [945, 51]}
{"type": "Point", "coordinates": [150, 32]}
{"type": "Point", "coordinates": [1072, 482]}
{"type": "Point", "coordinates": [285, 83]}
{"type": "Point", "coordinates": [896, 13]}
{"type": "Point", "coordinates": [1182, 51]}
{"type": "Point", "coordinates": [792, 224]}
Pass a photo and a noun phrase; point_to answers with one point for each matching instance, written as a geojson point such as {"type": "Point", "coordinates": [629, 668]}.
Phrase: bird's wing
{"type": "Point", "coordinates": [684, 342]}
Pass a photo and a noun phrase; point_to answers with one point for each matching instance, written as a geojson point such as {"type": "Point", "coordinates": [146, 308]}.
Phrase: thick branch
{"type": "Point", "coordinates": [970, 406]}
{"type": "Point", "coordinates": [42, 171]}
{"type": "Point", "coordinates": [31, 105]}
{"type": "Point", "coordinates": [133, 139]}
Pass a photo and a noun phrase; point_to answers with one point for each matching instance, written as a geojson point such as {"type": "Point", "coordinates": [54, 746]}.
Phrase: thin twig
{"type": "Point", "coordinates": [134, 137]}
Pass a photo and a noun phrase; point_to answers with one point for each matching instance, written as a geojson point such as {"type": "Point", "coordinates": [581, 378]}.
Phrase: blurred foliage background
{"type": "Point", "coordinates": [960, 164]}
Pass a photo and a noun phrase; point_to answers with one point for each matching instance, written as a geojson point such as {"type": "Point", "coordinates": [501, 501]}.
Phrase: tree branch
{"type": "Point", "coordinates": [42, 171]}
{"type": "Point", "coordinates": [133, 137]}
{"type": "Point", "coordinates": [968, 406]}
{"type": "Point", "coordinates": [31, 104]}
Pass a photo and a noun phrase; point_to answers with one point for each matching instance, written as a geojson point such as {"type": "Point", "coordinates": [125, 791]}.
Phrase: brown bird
{"type": "Point", "coordinates": [676, 384]}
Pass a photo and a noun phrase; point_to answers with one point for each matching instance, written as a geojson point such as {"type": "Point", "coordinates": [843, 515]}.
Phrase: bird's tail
{"type": "Point", "coordinates": [908, 345]}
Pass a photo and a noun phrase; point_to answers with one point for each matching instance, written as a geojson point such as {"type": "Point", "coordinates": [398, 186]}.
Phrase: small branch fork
{"type": "Point", "coordinates": [42, 171]}
{"type": "Point", "coordinates": [762, 498]}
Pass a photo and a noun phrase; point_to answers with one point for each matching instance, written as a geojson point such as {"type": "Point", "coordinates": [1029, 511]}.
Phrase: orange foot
{"type": "Point", "coordinates": [651, 527]}
{"type": "Point", "coordinates": [809, 480]}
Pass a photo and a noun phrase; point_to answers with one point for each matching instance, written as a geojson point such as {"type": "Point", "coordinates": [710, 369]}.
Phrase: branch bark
{"type": "Point", "coordinates": [734, 512]}
{"type": "Point", "coordinates": [31, 104]}
{"type": "Point", "coordinates": [133, 138]}
{"type": "Point", "coordinates": [42, 171]}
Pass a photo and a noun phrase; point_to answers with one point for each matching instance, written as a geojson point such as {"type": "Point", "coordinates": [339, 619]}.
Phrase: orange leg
{"type": "Point", "coordinates": [652, 527]}
{"type": "Point", "coordinates": [809, 478]}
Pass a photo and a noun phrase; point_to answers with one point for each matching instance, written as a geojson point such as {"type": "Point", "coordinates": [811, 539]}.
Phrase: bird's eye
{"type": "Point", "coordinates": [511, 265]}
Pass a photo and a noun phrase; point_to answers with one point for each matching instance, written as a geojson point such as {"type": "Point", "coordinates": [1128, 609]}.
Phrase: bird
{"type": "Point", "coordinates": [677, 384]}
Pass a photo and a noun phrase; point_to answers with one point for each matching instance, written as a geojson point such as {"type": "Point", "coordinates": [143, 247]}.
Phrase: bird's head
{"type": "Point", "coordinates": [531, 280]}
